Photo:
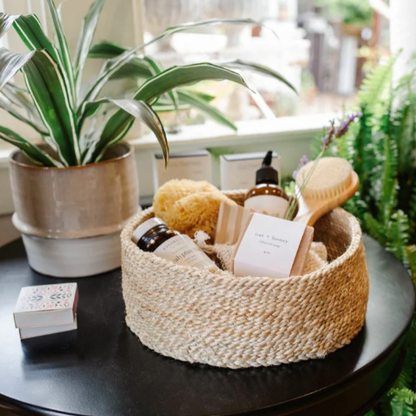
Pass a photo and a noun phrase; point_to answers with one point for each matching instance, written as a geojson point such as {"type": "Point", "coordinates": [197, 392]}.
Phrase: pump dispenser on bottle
{"type": "Point", "coordinates": [267, 196]}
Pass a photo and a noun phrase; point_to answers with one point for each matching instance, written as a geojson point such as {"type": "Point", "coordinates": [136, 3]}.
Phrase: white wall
{"type": "Point", "coordinates": [402, 33]}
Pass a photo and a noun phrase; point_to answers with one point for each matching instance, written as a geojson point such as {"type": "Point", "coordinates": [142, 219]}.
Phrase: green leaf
{"type": "Point", "coordinates": [402, 403]}
{"type": "Point", "coordinates": [7, 106]}
{"type": "Point", "coordinates": [106, 50]}
{"type": "Point", "coordinates": [86, 36]}
{"type": "Point", "coordinates": [389, 179]}
{"type": "Point", "coordinates": [178, 76]}
{"type": "Point", "coordinates": [168, 107]}
{"type": "Point", "coordinates": [157, 68]}
{"type": "Point", "coordinates": [411, 254]}
{"type": "Point", "coordinates": [33, 152]}
{"type": "Point", "coordinates": [374, 228]}
{"type": "Point", "coordinates": [6, 22]}
{"type": "Point", "coordinates": [46, 85]}
{"type": "Point", "coordinates": [136, 68]}
{"type": "Point", "coordinates": [18, 97]}
{"type": "Point", "coordinates": [398, 235]}
{"type": "Point", "coordinates": [202, 95]}
{"type": "Point", "coordinates": [63, 50]}
{"type": "Point", "coordinates": [406, 378]}
{"type": "Point", "coordinates": [376, 86]}
{"type": "Point", "coordinates": [10, 64]}
{"type": "Point", "coordinates": [207, 109]}
{"type": "Point", "coordinates": [109, 69]}
{"type": "Point", "coordinates": [261, 69]}
{"type": "Point", "coordinates": [118, 125]}
{"type": "Point", "coordinates": [30, 32]}
{"type": "Point", "coordinates": [144, 112]}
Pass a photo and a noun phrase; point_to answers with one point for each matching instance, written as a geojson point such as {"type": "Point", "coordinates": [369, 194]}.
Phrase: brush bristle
{"type": "Point", "coordinates": [332, 176]}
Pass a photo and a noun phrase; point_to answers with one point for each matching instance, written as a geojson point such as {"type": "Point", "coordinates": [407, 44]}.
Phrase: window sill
{"type": "Point", "coordinates": [212, 135]}
{"type": "Point", "coordinates": [289, 136]}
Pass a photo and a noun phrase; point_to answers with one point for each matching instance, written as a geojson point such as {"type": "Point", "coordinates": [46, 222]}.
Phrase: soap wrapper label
{"type": "Point", "coordinates": [183, 251]}
{"type": "Point", "coordinates": [270, 247]}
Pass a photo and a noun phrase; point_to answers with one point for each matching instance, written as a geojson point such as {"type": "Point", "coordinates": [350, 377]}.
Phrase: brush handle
{"type": "Point", "coordinates": [307, 214]}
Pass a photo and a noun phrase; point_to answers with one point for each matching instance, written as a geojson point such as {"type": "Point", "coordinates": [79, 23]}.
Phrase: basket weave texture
{"type": "Point", "coordinates": [236, 322]}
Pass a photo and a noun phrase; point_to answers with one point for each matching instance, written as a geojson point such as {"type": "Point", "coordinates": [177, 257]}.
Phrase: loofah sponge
{"type": "Point", "coordinates": [189, 206]}
{"type": "Point", "coordinates": [172, 191]}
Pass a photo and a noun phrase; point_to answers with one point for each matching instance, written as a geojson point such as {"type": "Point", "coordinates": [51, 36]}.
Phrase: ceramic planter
{"type": "Point", "coordinates": [71, 218]}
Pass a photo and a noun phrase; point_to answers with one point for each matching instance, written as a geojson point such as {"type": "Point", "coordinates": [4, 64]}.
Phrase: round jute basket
{"type": "Point", "coordinates": [226, 321]}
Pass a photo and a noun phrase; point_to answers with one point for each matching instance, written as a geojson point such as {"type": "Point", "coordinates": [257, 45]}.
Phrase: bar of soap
{"type": "Point", "coordinates": [271, 247]}
{"type": "Point", "coordinates": [302, 253]}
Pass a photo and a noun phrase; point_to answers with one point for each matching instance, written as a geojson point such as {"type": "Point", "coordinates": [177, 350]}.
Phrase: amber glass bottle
{"type": "Point", "coordinates": [155, 236]}
{"type": "Point", "coordinates": [267, 196]}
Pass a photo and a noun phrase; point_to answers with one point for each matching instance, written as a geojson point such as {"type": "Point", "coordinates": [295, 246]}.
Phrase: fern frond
{"type": "Point", "coordinates": [389, 182]}
{"type": "Point", "coordinates": [362, 155]}
{"type": "Point", "coordinates": [403, 125]}
{"type": "Point", "coordinates": [398, 235]}
{"type": "Point", "coordinates": [374, 228]}
{"type": "Point", "coordinates": [407, 376]}
{"type": "Point", "coordinates": [411, 260]}
{"type": "Point", "coordinates": [345, 144]}
{"type": "Point", "coordinates": [376, 86]}
{"type": "Point", "coordinates": [403, 401]}
{"type": "Point", "coordinates": [357, 207]}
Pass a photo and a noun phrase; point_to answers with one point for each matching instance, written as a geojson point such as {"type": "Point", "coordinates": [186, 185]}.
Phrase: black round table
{"type": "Point", "coordinates": [102, 369]}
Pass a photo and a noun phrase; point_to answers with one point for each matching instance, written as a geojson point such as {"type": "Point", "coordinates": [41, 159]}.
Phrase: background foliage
{"type": "Point", "coordinates": [381, 148]}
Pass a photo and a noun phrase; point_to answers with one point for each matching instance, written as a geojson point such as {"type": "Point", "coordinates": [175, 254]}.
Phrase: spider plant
{"type": "Point", "coordinates": [75, 122]}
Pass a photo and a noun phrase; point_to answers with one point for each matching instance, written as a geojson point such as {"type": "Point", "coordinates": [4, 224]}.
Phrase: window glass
{"type": "Point", "coordinates": [324, 48]}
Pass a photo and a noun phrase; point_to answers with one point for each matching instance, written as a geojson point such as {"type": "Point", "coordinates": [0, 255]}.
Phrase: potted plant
{"type": "Point", "coordinates": [74, 192]}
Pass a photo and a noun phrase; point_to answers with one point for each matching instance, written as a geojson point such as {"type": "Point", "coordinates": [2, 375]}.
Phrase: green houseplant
{"type": "Point", "coordinates": [381, 149]}
{"type": "Point", "coordinates": [79, 185]}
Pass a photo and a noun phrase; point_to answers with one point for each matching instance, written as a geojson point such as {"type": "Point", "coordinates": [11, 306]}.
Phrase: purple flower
{"type": "Point", "coordinates": [325, 140]}
{"type": "Point", "coordinates": [302, 162]}
{"type": "Point", "coordinates": [343, 128]}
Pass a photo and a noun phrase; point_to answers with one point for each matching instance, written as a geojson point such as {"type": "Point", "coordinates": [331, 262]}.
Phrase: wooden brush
{"type": "Point", "coordinates": [331, 184]}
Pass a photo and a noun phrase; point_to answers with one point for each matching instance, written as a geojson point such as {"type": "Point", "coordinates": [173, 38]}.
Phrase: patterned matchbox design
{"type": "Point", "coordinates": [39, 306]}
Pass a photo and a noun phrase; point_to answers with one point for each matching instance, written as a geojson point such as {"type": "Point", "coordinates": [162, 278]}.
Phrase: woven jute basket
{"type": "Point", "coordinates": [226, 321]}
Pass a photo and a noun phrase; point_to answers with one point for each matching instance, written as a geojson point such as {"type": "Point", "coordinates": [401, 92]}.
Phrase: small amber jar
{"type": "Point", "coordinates": [156, 237]}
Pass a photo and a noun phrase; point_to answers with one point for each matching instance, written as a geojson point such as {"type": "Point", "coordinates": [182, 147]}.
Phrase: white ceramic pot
{"type": "Point", "coordinates": [71, 218]}
{"type": "Point", "coordinates": [73, 258]}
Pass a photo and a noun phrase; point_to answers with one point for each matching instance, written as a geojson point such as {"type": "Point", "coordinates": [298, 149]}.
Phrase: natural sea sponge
{"type": "Point", "coordinates": [172, 191]}
{"type": "Point", "coordinates": [197, 212]}
{"type": "Point", "coordinates": [188, 206]}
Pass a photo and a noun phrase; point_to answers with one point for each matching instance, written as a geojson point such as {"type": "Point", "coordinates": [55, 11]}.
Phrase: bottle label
{"type": "Point", "coordinates": [183, 251]}
{"type": "Point", "coordinates": [268, 204]}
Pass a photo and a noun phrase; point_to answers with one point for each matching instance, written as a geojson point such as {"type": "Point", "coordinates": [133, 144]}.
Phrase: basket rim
{"type": "Point", "coordinates": [127, 243]}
